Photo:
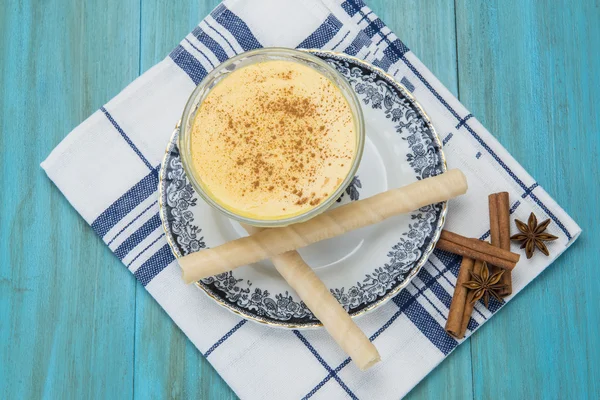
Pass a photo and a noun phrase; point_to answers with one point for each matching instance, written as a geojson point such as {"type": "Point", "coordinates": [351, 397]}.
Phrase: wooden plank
{"type": "Point", "coordinates": [67, 336]}
{"type": "Point", "coordinates": [529, 72]}
{"type": "Point", "coordinates": [167, 365]}
{"type": "Point", "coordinates": [165, 23]}
{"type": "Point", "coordinates": [66, 303]}
{"type": "Point", "coordinates": [428, 29]}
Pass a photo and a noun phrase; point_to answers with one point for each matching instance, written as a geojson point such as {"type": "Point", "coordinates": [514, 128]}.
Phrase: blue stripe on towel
{"type": "Point", "coordinates": [425, 323]}
{"type": "Point", "coordinates": [464, 120]}
{"type": "Point", "coordinates": [427, 299]}
{"type": "Point", "coordinates": [127, 139]}
{"type": "Point", "coordinates": [189, 64]}
{"type": "Point", "coordinates": [394, 52]}
{"type": "Point", "coordinates": [204, 56]}
{"type": "Point", "coordinates": [225, 337]}
{"type": "Point", "coordinates": [361, 40]}
{"type": "Point", "coordinates": [395, 49]}
{"type": "Point", "coordinates": [228, 20]}
{"type": "Point", "coordinates": [374, 27]}
{"type": "Point", "coordinates": [447, 139]}
{"type": "Point", "coordinates": [407, 84]}
{"type": "Point", "coordinates": [323, 34]}
{"type": "Point", "coordinates": [494, 305]}
{"type": "Point", "coordinates": [324, 364]}
{"type": "Point", "coordinates": [485, 235]}
{"type": "Point", "coordinates": [352, 7]}
{"type": "Point", "coordinates": [435, 287]}
{"type": "Point", "coordinates": [222, 37]}
{"type": "Point", "coordinates": [529, 190]}
{"type": "Point", "coordinates": [124, 204]}
{"type": "Point", "coordinates": [450, 261]}
{"type": "Point", "coordinates": [428, 326]}
{"type": "Point", "coordinates": [136, 237]}
{"type": "Point", "coordinates": [132, 221]}
{"type": "Point", "coordinates": [341, 40]}
{"type": "Point", "coordinates": [440, 272]}
{"type": "Point", "coordinates": [210, 43]}
{"type": "Point", "coordinates": [238, 28]}
{"type": "Point", "coordinates": [515, 206]}
{"type": "Point", "coordinates": [145, 249]}
{"type": "Point", "coordinates": [154, 265]}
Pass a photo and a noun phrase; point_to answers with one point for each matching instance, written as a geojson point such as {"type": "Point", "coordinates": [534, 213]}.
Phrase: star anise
{"type": "Point", "coordinates": [485, 285]}
{"type": "Point", "coordinates": [532, 235]}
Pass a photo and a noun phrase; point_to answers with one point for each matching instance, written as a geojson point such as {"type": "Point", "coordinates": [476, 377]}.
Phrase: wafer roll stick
{"type": "Point", "coordinates": [334, 222]}
{"type": "Point", "coordinates": [326, 308]}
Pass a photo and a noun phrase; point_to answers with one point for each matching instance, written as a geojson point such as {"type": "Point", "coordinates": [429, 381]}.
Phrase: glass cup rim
{"type": "Point", "coordinates": [202, 89]}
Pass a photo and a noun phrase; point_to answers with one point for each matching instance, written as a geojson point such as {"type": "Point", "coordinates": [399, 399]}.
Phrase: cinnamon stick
{"type": "Point", "coordinates": [466, 317]}
{"type": "Point", "coordinates": [459, 299]}
{"type": "Point", "coordinates": [500, 231]}
{"type": "Point", "coordinates": [477, 249]}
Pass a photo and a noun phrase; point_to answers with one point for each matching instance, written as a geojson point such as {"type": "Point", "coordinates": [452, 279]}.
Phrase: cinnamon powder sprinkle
{"type": "Point", "coordinates": [271, 130]}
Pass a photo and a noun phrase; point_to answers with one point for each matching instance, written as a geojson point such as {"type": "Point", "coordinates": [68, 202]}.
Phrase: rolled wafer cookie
{"type": "Point", "coordinates": [334, 222]}
{"type": "Point", "coordinates": [313, 292]}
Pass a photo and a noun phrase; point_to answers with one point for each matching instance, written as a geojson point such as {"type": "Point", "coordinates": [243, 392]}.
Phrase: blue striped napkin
{"type": "Point", "coordinates": [108, 169]}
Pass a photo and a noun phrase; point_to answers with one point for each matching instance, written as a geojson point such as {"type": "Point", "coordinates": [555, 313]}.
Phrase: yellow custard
{"type": "Point", "coordinates": [273, 140]}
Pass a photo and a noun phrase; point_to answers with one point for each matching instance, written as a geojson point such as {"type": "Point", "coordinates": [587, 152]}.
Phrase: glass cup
{"type": "Point", "coordinates": [245, 59]}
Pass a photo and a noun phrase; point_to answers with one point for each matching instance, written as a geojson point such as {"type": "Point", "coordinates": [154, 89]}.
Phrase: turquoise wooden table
{"type": "Point", "coordinates": [75, 324]}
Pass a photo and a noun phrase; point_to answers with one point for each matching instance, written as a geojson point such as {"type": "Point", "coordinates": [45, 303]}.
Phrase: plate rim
{"type": "Point", "coordinates": [384, 299]}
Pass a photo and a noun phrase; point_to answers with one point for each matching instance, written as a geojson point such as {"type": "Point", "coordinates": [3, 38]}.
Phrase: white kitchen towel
{"type": "Point", "coordinates": [108, 169]}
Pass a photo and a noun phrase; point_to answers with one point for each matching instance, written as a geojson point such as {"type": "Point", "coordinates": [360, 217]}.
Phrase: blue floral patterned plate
{"type": "Point", "coordinates": [364, 268]}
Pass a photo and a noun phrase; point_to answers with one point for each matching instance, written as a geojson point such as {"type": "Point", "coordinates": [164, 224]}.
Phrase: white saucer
{"type": "Point", "coordinates": [364, 268]}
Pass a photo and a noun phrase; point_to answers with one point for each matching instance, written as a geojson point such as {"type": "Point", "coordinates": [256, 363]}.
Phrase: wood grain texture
{"type": "Point", "coordinates": [529, 72]}
{"type": "Point", "coordinates": [73, 323]}
{"type": "Point", "coordinates": [167, 365]}
{"type": "Point", "coordinates": [66, 326]}
{"type": "Point", "coordinates": [428, 28]}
